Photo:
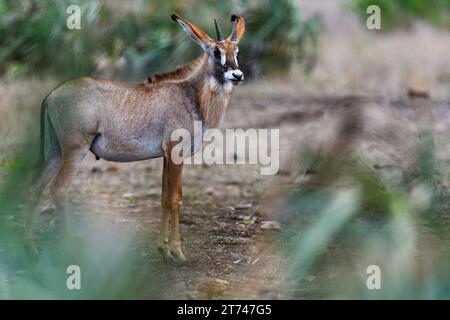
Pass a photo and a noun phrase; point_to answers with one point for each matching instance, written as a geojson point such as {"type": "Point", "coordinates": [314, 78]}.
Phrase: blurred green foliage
{"type": "Point", "coordinates": [103, 254]}
{"type": "Point", "coordinates": [336, 229]}
{"type": "Point", "coordinates": [400, 13]}
{"type": "Point", "coordinates": [34, 37]}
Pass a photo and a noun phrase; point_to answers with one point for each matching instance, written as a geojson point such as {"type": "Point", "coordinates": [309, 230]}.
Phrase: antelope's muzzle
{"type": "Point", "coordinates": [235, 76]}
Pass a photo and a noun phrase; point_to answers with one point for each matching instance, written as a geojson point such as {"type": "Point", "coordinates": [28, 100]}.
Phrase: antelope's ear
{"type": "Point", "coordinates": [197, 34]}
{"type": "Point", "coordinates": [238, 28]}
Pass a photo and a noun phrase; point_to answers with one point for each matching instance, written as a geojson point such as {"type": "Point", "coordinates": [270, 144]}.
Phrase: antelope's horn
{"type": "Point", "coordinates": [218, 31]}
{"type": "Point", "coordinates": [233, 31]}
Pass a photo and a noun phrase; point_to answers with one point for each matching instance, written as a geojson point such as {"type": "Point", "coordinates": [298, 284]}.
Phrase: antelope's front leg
{"type": "Point", "coordinates": [164, 226]}
{"type": "Point", "coordinates": [170, 208]}
{"type": "Point", "coordinates": [174, 199]}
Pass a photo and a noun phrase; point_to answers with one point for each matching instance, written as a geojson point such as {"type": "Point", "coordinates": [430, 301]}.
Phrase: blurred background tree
{"type": "Point", "coordinates": [130, 40]}
{"type": "Point", "coordinates": [402, 13]}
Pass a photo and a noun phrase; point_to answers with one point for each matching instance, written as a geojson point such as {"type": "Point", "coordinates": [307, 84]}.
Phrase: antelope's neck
{"type": "Point", "coordinates": [213, 96]}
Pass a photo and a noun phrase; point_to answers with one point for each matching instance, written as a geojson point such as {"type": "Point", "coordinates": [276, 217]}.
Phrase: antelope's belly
{"type": "Point", "coordinates": [127, 150]}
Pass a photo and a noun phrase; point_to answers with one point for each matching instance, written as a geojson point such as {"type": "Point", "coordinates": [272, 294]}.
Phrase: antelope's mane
{"type": "Point", "coordinates": [180, 73]}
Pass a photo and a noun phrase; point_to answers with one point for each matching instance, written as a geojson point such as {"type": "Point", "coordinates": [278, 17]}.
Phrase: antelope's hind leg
{"type": "Point", "coordinates": [71, 160]}
{"type": "Point", "coordinates": [44, 175]}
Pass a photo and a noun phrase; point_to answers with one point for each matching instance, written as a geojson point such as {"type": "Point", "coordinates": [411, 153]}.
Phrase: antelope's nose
{"type": "Point", "coordinates": [238, 75]}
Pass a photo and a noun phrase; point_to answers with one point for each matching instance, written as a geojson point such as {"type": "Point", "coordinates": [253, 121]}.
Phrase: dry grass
{"type": "Point", "coordinates": [20, 102]}
{"type": "Point", "coordinates": [353, 59]}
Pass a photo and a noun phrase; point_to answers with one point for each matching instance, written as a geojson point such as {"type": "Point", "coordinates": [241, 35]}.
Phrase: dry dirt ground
{"type": "Point", "coordinates": [231, 248]}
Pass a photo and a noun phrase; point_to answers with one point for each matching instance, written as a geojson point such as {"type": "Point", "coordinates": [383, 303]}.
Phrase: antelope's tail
{"type": "Point", "coordinates": [41, 156]}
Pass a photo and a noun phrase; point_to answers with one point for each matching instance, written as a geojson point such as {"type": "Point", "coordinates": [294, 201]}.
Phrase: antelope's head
{"type": "Point", "coordinates": [223, 54]}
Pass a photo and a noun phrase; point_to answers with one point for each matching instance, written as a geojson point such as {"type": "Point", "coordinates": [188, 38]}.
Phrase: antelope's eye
{"type": "Point", "coordinates": [217, 54]}
{"type": "Point", "coordinates": [237, 55]}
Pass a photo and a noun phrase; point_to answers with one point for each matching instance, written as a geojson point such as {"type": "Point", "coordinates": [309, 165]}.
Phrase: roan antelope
{"type": "Point", "coordinates": [130, 122]}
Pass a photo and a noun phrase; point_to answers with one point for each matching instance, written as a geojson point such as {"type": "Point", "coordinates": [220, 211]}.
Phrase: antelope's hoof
{"type": "Point", "coordinates": [177, 254]}
{"type": "Point", "coordinates": [174, 258]}
{"type": "Point", "coordinates": [167, 256]}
